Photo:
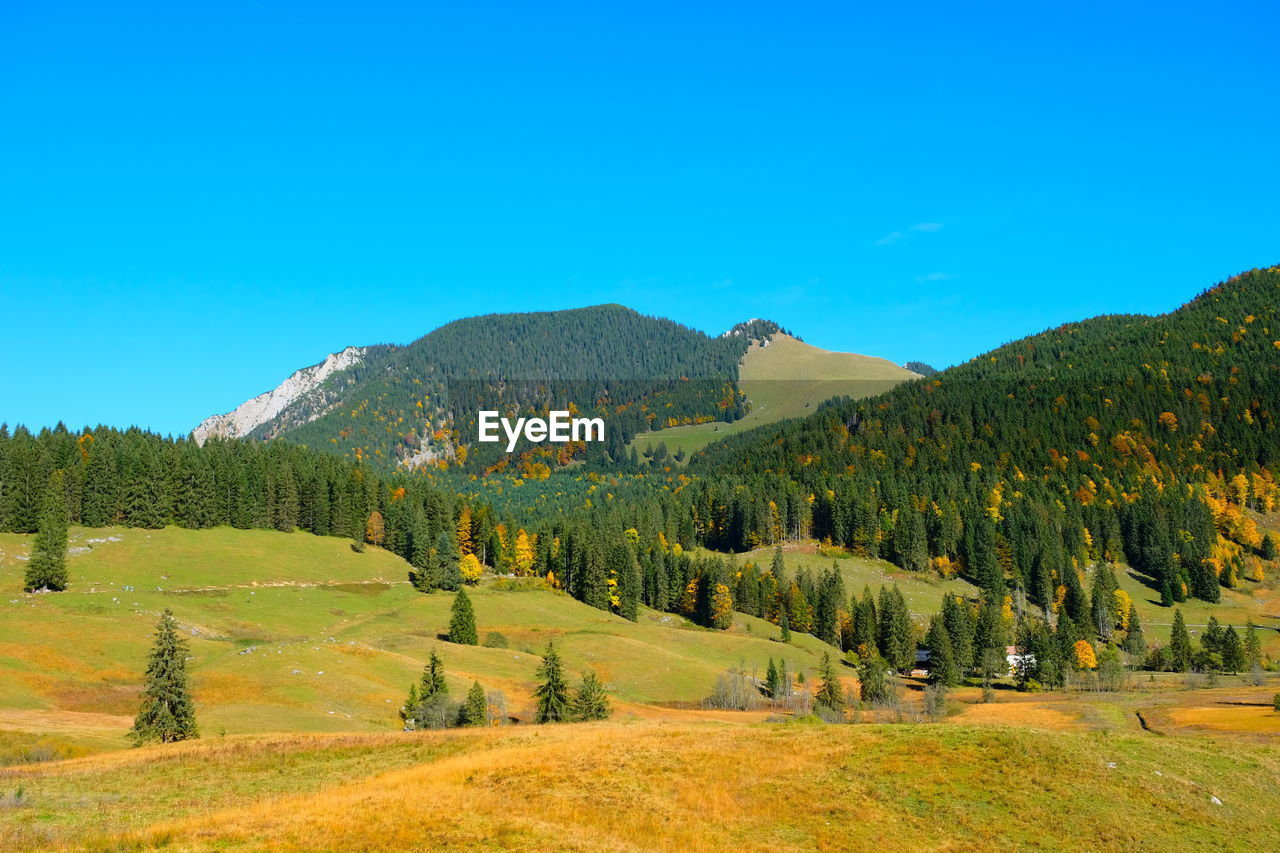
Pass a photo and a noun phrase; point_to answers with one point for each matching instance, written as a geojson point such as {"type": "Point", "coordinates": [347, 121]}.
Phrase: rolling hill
{"type": "Point", "coordinates": [784, 377]}
{"type": "Point", "coordinates": [414, 406]}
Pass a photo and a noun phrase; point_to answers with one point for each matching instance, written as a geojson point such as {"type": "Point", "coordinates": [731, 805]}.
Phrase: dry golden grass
{"type": "Point", "coordinates": [1036, 715]}
{"type": "Point", "coordinates": [654, 785]}
{"type": "Point", "coordinates": [1232, 718]}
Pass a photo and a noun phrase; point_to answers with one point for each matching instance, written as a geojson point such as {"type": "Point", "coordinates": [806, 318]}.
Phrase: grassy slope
{"type": "Point", "coordinates": [645, 785]}
{"type": "Point", "coordinates": [292, 632]}
{"type": "Point", "coordinates": [786, 379]}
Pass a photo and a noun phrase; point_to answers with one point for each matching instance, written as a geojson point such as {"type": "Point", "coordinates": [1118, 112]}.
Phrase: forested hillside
{"type": "Point", "coordinates": [1146, 439]}
{"type": "Point", "coordinates": [416, 405]}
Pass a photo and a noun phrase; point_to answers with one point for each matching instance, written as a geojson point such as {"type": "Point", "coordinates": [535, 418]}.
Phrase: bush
{"type": "Point", "coordinates": [935, 702]}
{"type": "Point", "coordinates": [357, 546]}
{"type": "Point", "coordinates": [733, 691]}
{"type": "Point", "coordinates": [496, 640]}
{"type": "Point", "coordinates": [1276, 703]}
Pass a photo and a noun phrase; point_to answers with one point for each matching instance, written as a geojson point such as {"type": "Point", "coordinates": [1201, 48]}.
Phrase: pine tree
{"type": "Point", "coordinates": [47, 568]}
{"type": "Point", "coordinates": [1268, 547]}
{"type": "Point", "coordinates": [771, 679]}
{"type": "Point", "coordinates": [956, 617]}
{"type": "Point", "coordinates": [1134, 643]}
{"type": "Point", "coordinates": [589, 702]}
{"type": "Point", "coordinates": [433, 681]}
{"type": "Point", "coordinates": [1231, 650]}
{"type": "Point", "coordinates": [552, 694]}
{"type": "Point", "coordinates": [475, 711]}
{"type": "Point", "coordinates": [1251, 647]}
{"type": "Point", "coordinates": [829, 695]}
{"type": "Point", "coordinates": [783, 689]}
{"type": "Point", "coordinates": [785, 624]}
{"type": "Point", "coordinates": [462, 622]}
{"type": "Point", "coordinates": [942, 662]}
{"type": "Point", "coordinates": [1180, 643]}
{"type": "Point", "coordinates": [429, 705]}
{"type": "Point", "coordinates": [167, 713]}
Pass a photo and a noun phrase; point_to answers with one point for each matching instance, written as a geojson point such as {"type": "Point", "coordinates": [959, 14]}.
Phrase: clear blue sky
{"type": "Point", "coordinates": [197, 199]}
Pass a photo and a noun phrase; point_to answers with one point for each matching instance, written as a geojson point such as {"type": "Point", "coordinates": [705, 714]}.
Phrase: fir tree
{"type": "Point", "coordinates": [771, 679]}
{"type": "Point", "coordinates": [552, 694]}
{"type": "Point", "coordinates": [829, 695]}
{"type": "Point", "coordinates": [1268, 547]}
{"type": "Point", "coordinates": [462, 622]}
{"type": "Point", "coordinates": [785, 624]}
{"type": "Point", "coordinates": [167, 713]}
{"type": "Point", "coordinates": [1179, 643]}
{"type": "Point", "coordinates": [1251, 647]}
{"type": "Point", "coordinates": [475, 711]}
{"type": "Point", "coordinates": [942, 662]}
{"type": "Point", "coordinates": [47, 568]}
{"type": "Point", "coordinates": [433, 681]}
{"type": "Point", "coordinates": [589, 701]}
{"type": "Point", "coordinates": [873, 682]}
{"type": "Point", "coordinates": [1231, 650]}
{"type": "Point", "coordinates": [783, 689]}
{"type": "Point", "coordinates": [1134, 643]}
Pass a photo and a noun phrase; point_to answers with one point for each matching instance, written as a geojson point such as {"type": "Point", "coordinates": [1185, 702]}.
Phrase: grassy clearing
{"type": "Point", "coordinates": [644, 785]}
{"type": "Point", "coordinates": [787, 379]}
{"type": "Point", "coordinates": [292, 632]}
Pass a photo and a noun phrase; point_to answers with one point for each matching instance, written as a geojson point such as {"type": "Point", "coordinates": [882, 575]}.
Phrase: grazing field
{"type": "Point", "coordinates": [786, 378]}
{"type": "Point", "coordinates": [654, 785]}
{"type": "Point", "coordinates": [293, 632]}
{"type": "Point", "coordinates": [303, 650]}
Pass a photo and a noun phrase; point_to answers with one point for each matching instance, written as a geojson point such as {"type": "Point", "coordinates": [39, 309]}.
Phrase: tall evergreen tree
{"type": "Point", "coordinates": [167, 713]}
{"type": "Point", "coordinates": [829, 695]}
{"type": "Point", "coordinates": [475, 711]}
{"type": "Point", "coordinates": [1232, 650]}
{"type": "Point", "coordinates": [1134, 643]}
{"type": "Point", "coordinates": [433, 681]}
{"type": "Point", "coordinates": [1268, 547]}
{"type": "Point", "coordinates": [771, 679]}
{"type": "Point", "coordinates": [942, 662]}
{"type": "Point", "coordinates": [552, 693]}
{"type": "Point", "coordinates": [462, 621]}
{"type": "Point", "coordinates": [1180, 643]}
{"type": "Point", "coordinates": [784, 623]}
{"type": "Point", "coordinates": [47, 568]}
{"type": "Point", "coordinates": [1250, 646]}
{"type": "Point", "coordinates": [589, 702]}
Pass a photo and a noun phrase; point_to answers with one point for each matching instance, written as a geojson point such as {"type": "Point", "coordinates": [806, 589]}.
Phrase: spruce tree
{"type": "Point", "coordinates": [589, 702]}
{"type": "Point", "coordinates": [47, 568]}
{"type": "Point", "coordinates": [475, 711]}
{"type": "Point", "coordinates": [785, 624]}
{"type": "Point", "coordinates": [462, 622]}
{"type": "Point", "coordinates": [433, 681]}
{"type": "Point", "coordinates": [1251, 647]}
{"type": "Point", "coordinates": [552, 694]}
{"type": "Point", "coordinates": [429, 706]}
{"type": "Point", "coordinates": [829, 695]}
{"type": "Point", "coordinates": [1134, 643]}
{"type": "Point", "coordinates": [167, 713]}
{"type": "Point", "coordinates": [1180, 643]}
{"type": "Point", "coordinates": [771, 679]}
{"type": "Point", "coordinates": [1268, 547]}
{"type": "Point", "coordinates": [942, 662]}
{"type": "Point", "coordinates": [1232, 650]}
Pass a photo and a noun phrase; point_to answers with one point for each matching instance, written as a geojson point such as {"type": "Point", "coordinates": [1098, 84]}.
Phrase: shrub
{"type": "Point", "coordinates": [733, 691]}
{"type": "Point", "coordinates": [496, 640]}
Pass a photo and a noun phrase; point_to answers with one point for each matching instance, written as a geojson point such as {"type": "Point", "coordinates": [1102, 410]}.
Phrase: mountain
{"type": "Point", "coordinates": [1151, 440]}
{"type": "Point", "coordinates": [299, 399]}
{"type": "Point", "coordinates": [415, 405]}
{"type": "Point", "coordinates": [784, 377]}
